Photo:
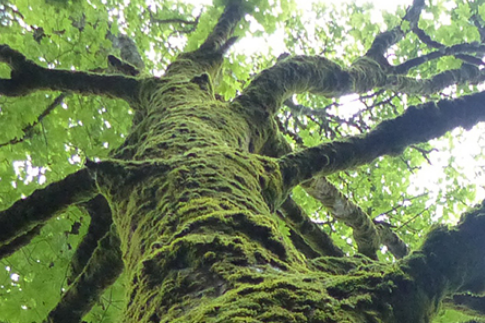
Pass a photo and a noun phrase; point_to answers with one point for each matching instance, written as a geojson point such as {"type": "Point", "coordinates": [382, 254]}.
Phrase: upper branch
{"type": "Point", "coordinates": [292, 75]}
{"type": "Point", "coordinates": [208, 58]}
{"type": "Point", "coordinates": [318, 75]}
{"type": "Point", "coordinates": [455, 50]}
{"type": "Point", "coordinates": [220, 39]}
{"type": "Point", "coordinates": [385, 40]}
{"type": "Point", "coordinates": [27, 77]}
{"type": "Point", "coordinates": [418, 124]}
{"type": "Point", "coordinates": [426, 39]}
{"type": "Point", "coordinates": [466, 74]}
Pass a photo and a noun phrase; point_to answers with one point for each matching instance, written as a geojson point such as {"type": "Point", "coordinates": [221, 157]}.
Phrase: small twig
{"type": "Point", "coordinates": [424, 152]}
{"type": "Point", "coordinates": [27, 130]}
{"type": "Point", "coordinates": [193, 23]}
{"type": "Point", "coordinates": [412, 219]}
{"type": "Point", "coordinates": [397, 207]}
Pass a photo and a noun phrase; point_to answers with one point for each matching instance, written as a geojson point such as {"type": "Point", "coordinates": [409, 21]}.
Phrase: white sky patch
{"type": "Point", "coordinates": [252, 45]}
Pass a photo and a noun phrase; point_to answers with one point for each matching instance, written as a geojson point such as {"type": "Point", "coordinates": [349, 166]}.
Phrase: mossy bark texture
{"type": "Point", "coordinates": [194, 201]}
{"type": "Point", "coordinates": [200, 238]}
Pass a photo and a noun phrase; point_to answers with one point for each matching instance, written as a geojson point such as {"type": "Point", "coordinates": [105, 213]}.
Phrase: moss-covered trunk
{"type": "Point", "coordinates": [195, 212]}
{"type": "Point", "coordinates": [194, 207]}
{"type": "Point", "coordinates": [206, 228]}
{"type": "Point", "coordinates": [200, 222]}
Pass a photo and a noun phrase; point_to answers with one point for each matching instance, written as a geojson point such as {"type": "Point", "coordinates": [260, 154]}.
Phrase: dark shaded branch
{"type": "Point", "coordinates": [414, 12]}
{"type": "Point", "coordinates": [25, 215]}
{"type": "Point", "coordinates": [19, 242]}
{"type": "Point", "coordinates": [475, 303]}
{"type": "Point", "coordinates": [27, 130]}
{"type": "Point", "coordinates": [220, 39]}
{"type": "Point", "coordinates": [443, 266]}
{"type": "Point", "coordinates": [101, 220]}
{"type": "Point", "coordinates": [102, 270]}
{"type": "Point", "coordinates": [192, 23]}
{"type": "Point", "coordinates": [426, 39]}
{"type": "Point", "coordinates": [308, 232]}
{"type": "Point", "coordinates": [454, 50]}
{"type": "Point", "coordinates": [381, 44]}
{"type": "Point", "coordinates": [174, 20]}
{"type": "Point", "coordinates": [27, 77]}
{"type": "Point", "coordinates": [385, 40]}
{"type": "Point", "coordinates": [418, 124]}
{"type": "Point", "coordinates": [451, 261]}
{"type": "Point", "coordinates": [391, 240]}
{"type": "Point", "coordinates": [128, 51]}
{"type": "Point", "coordinates": [122, 67]}
{"type": "Point", "coordinates": [466, 74]}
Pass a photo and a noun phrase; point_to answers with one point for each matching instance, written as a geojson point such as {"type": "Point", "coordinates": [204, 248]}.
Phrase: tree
{"type": "Point", "coordinates": [197, 202]}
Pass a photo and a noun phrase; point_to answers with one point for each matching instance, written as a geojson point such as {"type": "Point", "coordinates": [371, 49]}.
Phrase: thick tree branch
{"type": "Point", "coordinates": [320, 76]}
{"type": "Point", "coordinates": [451, 261]}
{"type": "Point", "coordinates": [22, 218]}
{"type": "Point", "coordinates": [418, 124]}
{"type": "Point", "coordinates": [101, 220]}
{"type": "Point", "coordinates": [368, 236]}
{"type": "Point", "coordinates": [19, 242]}
{"type": "Point", "coordinates": [385, 40]}
{"type": "Point", "coordinates": [309, 232]}
{"type": "Point", "coordinates": [220, 39]}
{"type": "Point", "coordinates": [365, 232]}
{"type": "Point", "coordinates": [442, 262]}
{"type": "Point", "coordinates": [27, 77]}
{"type": "Point", "coordinates": [102, 270]}
{"type": "Point", "coordinates": [208, 58]}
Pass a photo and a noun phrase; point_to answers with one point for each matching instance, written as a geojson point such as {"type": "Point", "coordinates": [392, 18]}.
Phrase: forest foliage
{"type": "Point", "coordinates": [46, 136]}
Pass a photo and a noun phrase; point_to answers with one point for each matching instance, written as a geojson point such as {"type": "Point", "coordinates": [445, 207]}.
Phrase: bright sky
{"type": "Point", "coordinates": [249, 45]}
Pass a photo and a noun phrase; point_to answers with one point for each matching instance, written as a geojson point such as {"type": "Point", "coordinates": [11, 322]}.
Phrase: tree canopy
{"type": "Point", "coordinates": [344, 101]}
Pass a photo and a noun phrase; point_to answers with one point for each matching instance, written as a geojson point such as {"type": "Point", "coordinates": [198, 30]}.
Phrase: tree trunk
{"type": "Point", "coordinates": [195, 199]}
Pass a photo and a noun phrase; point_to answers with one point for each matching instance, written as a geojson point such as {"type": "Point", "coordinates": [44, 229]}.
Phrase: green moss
{"type": "Point", "coordinates": [199, 236]}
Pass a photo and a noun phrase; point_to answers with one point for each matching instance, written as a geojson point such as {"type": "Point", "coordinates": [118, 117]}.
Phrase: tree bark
{"type": "Point", "coordinates": [194, 203]}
